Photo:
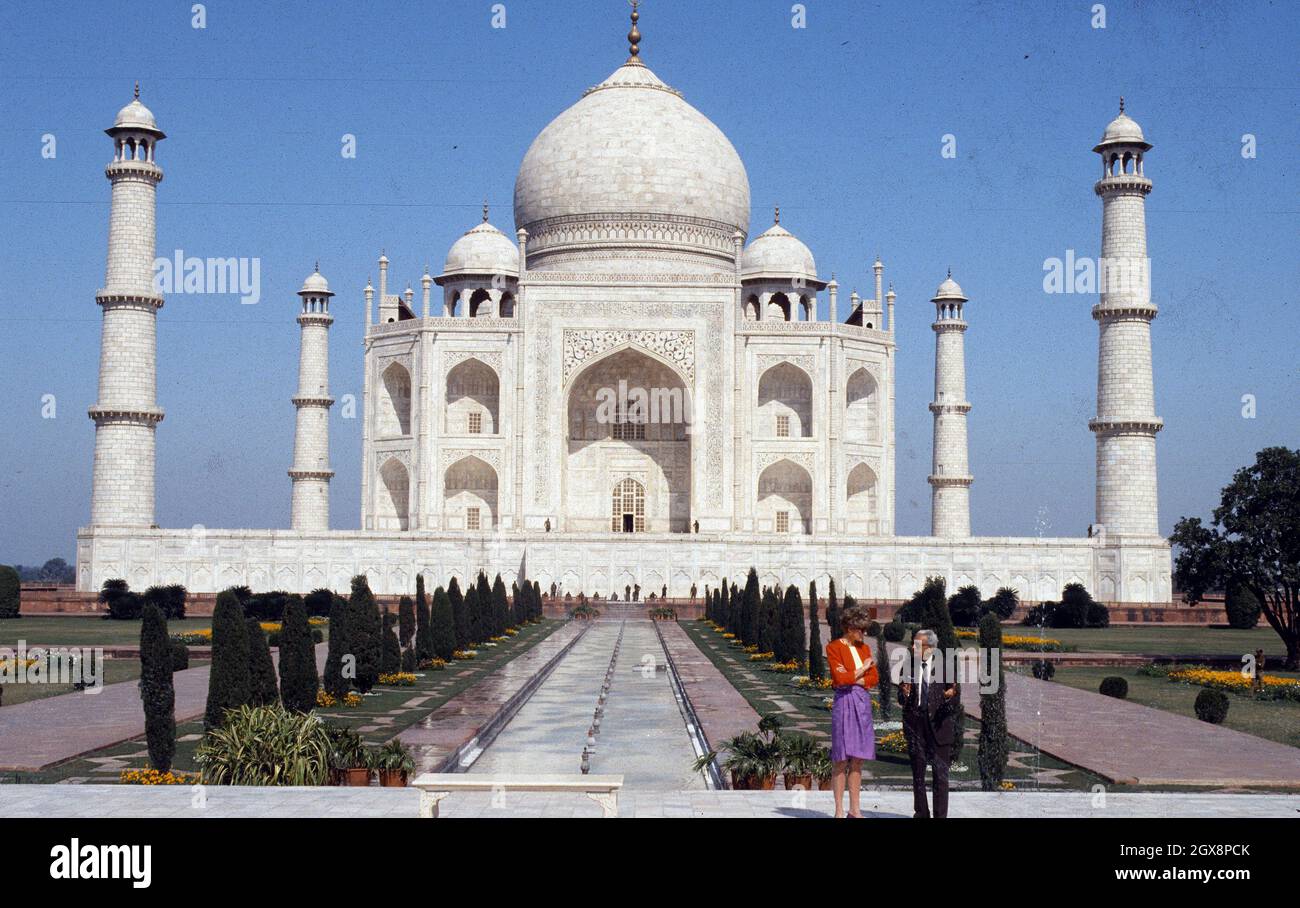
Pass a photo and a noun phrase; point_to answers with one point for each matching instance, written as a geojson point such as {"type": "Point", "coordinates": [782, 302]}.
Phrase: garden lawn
{"type": "Point", "coordinates": [1275, 720]}
{"type": "Point", "coordinates": [1167, 640]}
{"type": "Point", "coordinates": [382, 714]}
{"type": "Point", "coordinates": [805, 711]}
{"type": "Point", "coordinates": [84, 630]}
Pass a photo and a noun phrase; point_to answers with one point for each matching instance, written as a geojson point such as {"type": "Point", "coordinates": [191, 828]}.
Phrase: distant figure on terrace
{"type": "Point", "coordinates": [853, 735]}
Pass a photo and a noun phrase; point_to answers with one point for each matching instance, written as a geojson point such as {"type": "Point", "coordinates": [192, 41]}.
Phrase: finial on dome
{"type": "Point", "coordinates": [485, 211]}
{"type": "Point", "coordinates": [776, 215]}
{"type": "Point", "coordinates": [1121, 103]}
{"type": "Point", "coordinates": [949, 271]}
{"type": "Point", "coordinates": [318, 266]}
{"type": "Point", "coordinates": [137, 89]}
{"type": "Point", "coordinates": [634, 36]}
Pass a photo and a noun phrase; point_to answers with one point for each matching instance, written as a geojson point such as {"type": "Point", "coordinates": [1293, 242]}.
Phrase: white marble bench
{"type": "Point", "coordinates": [434, 786]}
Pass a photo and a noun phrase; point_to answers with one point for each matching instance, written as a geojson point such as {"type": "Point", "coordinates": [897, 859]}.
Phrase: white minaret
{"type": "Point", "coordinates": [122, 487]}
{"type": "Point", "coordinates": [1126, 424]}
{"type": "Point", "coordinates": [310, 509]}
{"type": "Point", "coordinates": [950, 476]}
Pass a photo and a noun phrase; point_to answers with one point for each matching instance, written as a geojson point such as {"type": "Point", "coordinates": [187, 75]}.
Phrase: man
{"type": "Point", "coordinates": [929, 722]}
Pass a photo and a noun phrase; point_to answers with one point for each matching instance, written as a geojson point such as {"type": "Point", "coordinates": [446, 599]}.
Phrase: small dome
{"type": "Point", "coordinates": [483, 250]}
{"type": "Point", "coordinates": [315, 285]}
{"type": "Point", "coordinates": [1123, 130]}
{"type": "Point", "coordinates": [136, 116]}
{"type": "Point", "coordinates": [949, 290]}
{"type": "Point", "coordinates": [777, 253]}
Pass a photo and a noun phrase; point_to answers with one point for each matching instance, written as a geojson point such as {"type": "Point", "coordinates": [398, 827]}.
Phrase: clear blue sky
{"type": "Point", "coordinates": [840, 123]}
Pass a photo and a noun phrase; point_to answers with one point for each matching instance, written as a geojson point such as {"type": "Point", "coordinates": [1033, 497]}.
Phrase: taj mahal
{"type": "Point", "coordinates": [627, 389]}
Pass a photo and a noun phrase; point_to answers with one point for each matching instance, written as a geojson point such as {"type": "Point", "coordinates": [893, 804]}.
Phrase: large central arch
{"type": "Point", "coordinates": [626, 417]}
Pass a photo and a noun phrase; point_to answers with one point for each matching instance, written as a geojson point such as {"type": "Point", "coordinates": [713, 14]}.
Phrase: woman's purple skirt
{"type": "Point", "coordinates": [853, 736]}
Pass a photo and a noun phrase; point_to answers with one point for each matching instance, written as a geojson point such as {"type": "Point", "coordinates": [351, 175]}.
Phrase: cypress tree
{"type": "Point", "coordinates": [298, 681]}
{"type": "Point", "coordinates": [335, 682]}
{"type": "Point", "coordinates": [406, 621]}
{"type": "Point", "coordinates": [229, 682]}
{"type": "Point", "coordinates": [261, 670]}
{"type": "Point", "coordinates": [993, 747]}
{"type": "Point", "coordinates": [461, 615]}
{"type": "Point", "coordinates": [882, 666]}
{"type": "Point", "coordinates": [816, 658]}
{"type": "Point", "coordinates": [537, 599]}
{"type": "Point", "coordinates": [486, 621]}
{"type": "Point", "coordinates": [500, 607]}
{"type": "Point", "coordinates": [157, 695]}
{"type": "Point", "coordinates": [423, 627]}
{"type": "Point", "coordinates": [724, 604]}
{"type": "Point", "coordinates": [833, 613]}
{"type": "Point", "coordinates": [365, 632]}
{"type": "Point", "coordinates": [748, 632]}
{"type": "Point", "coordinates": [769, 624]}
{"type": "Point", "coordinates": [790, 640]}
{"type": "Point", "coordinates": [517, 605]}
{"type": "Point", "coordinates": [442, 636]}
{"type": "Point", "coordinates": [471, 609]}
{"type": "Point", "coordinates": [390, 653]}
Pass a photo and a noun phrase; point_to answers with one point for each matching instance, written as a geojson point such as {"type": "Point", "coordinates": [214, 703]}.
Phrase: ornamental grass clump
{"type": "Point", "coordinates": [265, 745]}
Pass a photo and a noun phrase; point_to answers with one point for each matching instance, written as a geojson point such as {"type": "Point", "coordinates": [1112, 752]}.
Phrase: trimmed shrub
{"type": "Point", "coordinates": [335, 682]}
{"type": "Point", "coordinates": [406, 622]}
{"type": "Point", "coordinates": [459, 613]}
{"type": "Point", "coordinates": [266, 745]}
{"type": "Point", "coordinates": [423, 630]}
{"type": "Point", "coordinates": [180, 654]}
{"type": "Point", "coordinates": [261, 669]}
{"type": "Point", "coordinates": [157, 695]}
{"type": "Point", "coordinates": [895, 631]}
{"type": "Point", "coordinates": [482, 616]}
{"type": "Point", "coordinates": [993, 746]}
{"type": "Point", "coordinates": [10, 592]}
{"type": "Point", "coordinates": [1239, 602]}
{"type": "Point", "coordinates": [268, 606]}
{"type": "Point", "coordinates": [122, 604]}
{"type": "Point", "coordinates": [1113, 686]}
{"type": "Point", "coordinates": [790, 641]}
{"type": "Point", "coordinates": [537, 599]}
{"type": "Point", "coordinates": [443, 630]}
{"type": "Point", "coordinates": [500, 607]}
{"type": "Point", "coordinates": [365, 633]}
{"type": "Point", "coordinates": [471, 609]}
{"type": "Point", "coordinates": [229, 682]}
{"type": "Point", "coordinates": [816, 658]}
{"type": "Point", "coordinates": [298, 680]}
{"type": "Point", "coordinates": [882, 666]}
{"type": "Point", "coordinates": [1043, 669]}
{"type": "Point", "coordinates": [769, 623]}
{"type": "Point", "coordinates": [964, 606]}
{"type": "Point", "coordinates": [318, 603]}
{"type": "Point", "coordinates": [170, 600]}
{"type": "Point", "coordinates": [1211, 706]}
{"type": "Point", "coordinates": [833, 613]}
{"type": "Point", "coordinates": [390, 654]}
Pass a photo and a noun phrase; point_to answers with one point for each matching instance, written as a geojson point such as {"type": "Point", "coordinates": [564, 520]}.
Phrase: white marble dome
{"type": "Point", "coordinates": [778, 254]}
{"type": "Point", "coordinates": [949, 290]}
{"type": "Point", "coordinates": [632, 165]}
{"type": "Point", "coordinates": [483, 250]}
{"type": "Point", "coordinates": [315, 284]}
{"type": "Point", "coordinates": [1123, 130]}
{"type": "Point", "coordinates": [135, 116]}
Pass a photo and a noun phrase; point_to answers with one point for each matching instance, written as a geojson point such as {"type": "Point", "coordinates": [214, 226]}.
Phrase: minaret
{"type": "Point", "coordinates": [950, 477]}
{"type": "Point", "coordinates": [1126, 424]}
{"type": "Point", "coordinates": [127, 411]}
{"type": "Point", "coordinates": [310, 508]}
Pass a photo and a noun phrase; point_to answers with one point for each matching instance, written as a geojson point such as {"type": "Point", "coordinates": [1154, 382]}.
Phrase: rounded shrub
{"type": "Point", "coordinates": [180, 655]}
{"type": "Point", "coordinates": [895, 632]}
{"type": "Point", "coordinates": [1114, 686]}
{"type": "Point", "coordinates": [1242, 607]}
{"type": "Point", "coordinates": [10, 594]}
{"type": "Point", "coordinates": [1044, 669]}
{"type": "Point", "coordinates": [1211, 706]}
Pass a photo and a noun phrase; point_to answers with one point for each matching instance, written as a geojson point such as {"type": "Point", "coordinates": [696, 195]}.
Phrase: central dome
{"type": "Point", "coordinates": [632, 167]}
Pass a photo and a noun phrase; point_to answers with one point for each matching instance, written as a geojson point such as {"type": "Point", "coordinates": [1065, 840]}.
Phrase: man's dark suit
{"type": "Point", "coordinates": [930, 730]}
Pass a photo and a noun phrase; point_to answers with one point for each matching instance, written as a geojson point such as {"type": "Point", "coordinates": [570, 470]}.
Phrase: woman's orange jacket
{"type": "Point", "coordinates": [840, 660]}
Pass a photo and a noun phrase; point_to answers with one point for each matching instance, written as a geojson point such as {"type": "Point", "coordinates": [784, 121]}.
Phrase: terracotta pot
{"type": "Point", "coordinates": [824, 784]}
{"type": "Point", "coordinates": [357, 777]}
{"type": "Point", "coordinates": [740, 783]}
{"type": "Point", "coordinates": [767, 783]}
{"type": "Point", "coordinates": [392, 778]}
{"type": "Point", "coordinates": [805, 781]}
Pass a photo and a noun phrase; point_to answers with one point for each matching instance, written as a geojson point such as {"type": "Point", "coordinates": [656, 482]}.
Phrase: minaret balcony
{"type": "Point", "coordinates": [1122, 182]}
{"type": "Point", "coordinates": [1137, 425]}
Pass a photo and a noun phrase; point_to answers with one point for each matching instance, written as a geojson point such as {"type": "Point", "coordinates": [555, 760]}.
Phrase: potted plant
{"type": "Point", "coordinates": [754, 758]}
{"type": "Point", "coordinates": [799, 754]}
{"type": "Point", "coordinates": [822, 769]}
{"type": "Point", "coordinates": [349, 760]}
{"type": "Point", "coordinates": [395, 763]}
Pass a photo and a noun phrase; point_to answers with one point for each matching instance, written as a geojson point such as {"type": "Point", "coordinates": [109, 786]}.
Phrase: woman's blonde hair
{"type": "Point", "coordinates": [856, 617]}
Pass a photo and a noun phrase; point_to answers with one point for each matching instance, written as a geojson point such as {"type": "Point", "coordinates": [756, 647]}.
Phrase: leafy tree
{"type": "Point", "coordinates": [791, 644]}
{"type": "Point", "coordinates": [833, 613]}
{"type": "Point", "coordinates": [122, 604]}
{"type": "Point", "coordinates": [298, 680]}
{"type": "Point", "coordinates": [1004, 603]}
{"type": "Point", "coordinates": [170, 600]}
{"type": "Point", "coordinates": [230, 684]}
{"type": "Point", "coordinates": [406, 620]}
{"type": "Point", "coordinates": [816, 658]}
{"type": "Point", "coordinates": [10, 592]}
{"type": "Point", "coordinates": [1253, 542]}
{"type": "Point", "coordinates": [365, 631]}
{"type": "Point", "coordinates": [319, 602]}
{"type": "Point", "coordinates": [500, 607]}
{"type": "Point", "coordinates": [993, 747]}
{"type": "Point", "coordinates": [390, 653]}
{"type": "Point", "coordinates": [443, 622]}
{"type": "Point", "coordinates": [423, 629]}
{"type": "Point", "coordinates": [964, 606]}
{"type": "Point", "coordinates": [157, 695]}
{"type": "Point", "coordinates": [1242, 607]}
{"type": "Point", "coordinates": [336, 682]}
{"type": "Point", "coordinates": [461, 614]}
{"type": "Point", "coordinates": [261, 669]}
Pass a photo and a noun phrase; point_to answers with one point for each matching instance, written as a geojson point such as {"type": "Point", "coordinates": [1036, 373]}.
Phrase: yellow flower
{"type": "Point", "coordinates": [154, 777]}
{"type": "Point", "coordinates": [397, 679]}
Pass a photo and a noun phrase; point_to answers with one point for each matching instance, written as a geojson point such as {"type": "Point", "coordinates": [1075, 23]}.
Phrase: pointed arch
{"type": "Point", "coordinates": [473, 399]}
{"type": "Point", "coordinates": [785, 488]}
{"type": "Point", "coordinates": [863, 499]}
{"type": "Point", "coordinates": [395, 401]}
{"type": "Point", "coordinates": [786, 391]}
{"type": "Point", "coordinates": [862, 401]}
{"type": "Point", "coordinates": [470, 495]}
{"type": "Point", "coordinates": [393, 503]}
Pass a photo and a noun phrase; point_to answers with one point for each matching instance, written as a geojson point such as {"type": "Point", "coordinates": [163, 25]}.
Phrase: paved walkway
{"type": "Point", "coordinates": [140, 801]}
{"type": "Point", "coordinates": [642, 735]}
{"type": "Point", "coordinates": [1132, 744]}
{"type": "Point", "coordinates": [40, 733]}
{"type": "Point", "coordinates": [722, 710]}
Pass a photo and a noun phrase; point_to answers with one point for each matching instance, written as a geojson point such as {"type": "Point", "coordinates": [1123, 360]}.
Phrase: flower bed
{"type": "Point", "coordinates": [324, 699]}
{"type": "Point", "coordinates": [1017, 642]}
{"type": "Point", "coordinates": [397, 679]}
{"type": "Point", "coordinates": [1274, 687]}
{"type": "Point", "coordinates": [464, 654]}
{"type": "Point", "coordinates": [154, 777]}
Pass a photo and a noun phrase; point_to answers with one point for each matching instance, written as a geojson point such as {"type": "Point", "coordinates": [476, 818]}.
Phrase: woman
{"type": "Point", "coordinates": [853, 738]}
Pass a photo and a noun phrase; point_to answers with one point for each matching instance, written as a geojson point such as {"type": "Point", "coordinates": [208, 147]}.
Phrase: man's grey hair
{"type": "Point", "coordinates": [929, 636]}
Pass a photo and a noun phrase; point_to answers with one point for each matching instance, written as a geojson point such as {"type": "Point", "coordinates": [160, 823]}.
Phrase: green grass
{"type": "Point", "coordinates": [1276, 720]}
{"type": "Point", "coordinates": [887, 770]}
{"type": "Point", "coordinates": [1171, 640]}
{"type": "Point", "coordinates": [83, 630]}
{"type": "Point", "coordinates": [437, 686]}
